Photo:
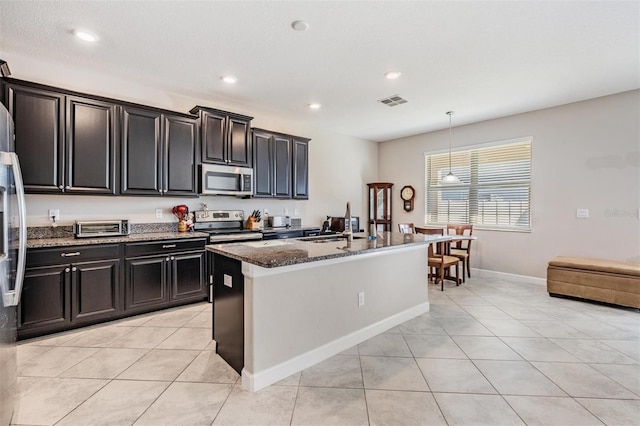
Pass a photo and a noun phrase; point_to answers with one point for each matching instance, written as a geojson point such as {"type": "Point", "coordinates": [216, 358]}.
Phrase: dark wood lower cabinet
{"type": "Point", "coordinates": [145, 283]}
{"type": "Point", "coordinates": [44, 305]}
{"type": "Point", "coordinates": [75, 286]}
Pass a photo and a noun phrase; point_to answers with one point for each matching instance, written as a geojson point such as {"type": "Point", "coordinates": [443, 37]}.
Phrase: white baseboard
{"type": "Point", "coordinates": [485, 273]}
{"type": "Point", "coordinates": [256, 381]}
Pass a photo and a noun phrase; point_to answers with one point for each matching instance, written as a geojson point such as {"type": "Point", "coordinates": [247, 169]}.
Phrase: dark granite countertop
{"type": "Point", "coordinates": [133, 238]}
{"type": "Point", "coordinates": [274, 253]}
{"type": "Point", "coordinates": [291, 228]}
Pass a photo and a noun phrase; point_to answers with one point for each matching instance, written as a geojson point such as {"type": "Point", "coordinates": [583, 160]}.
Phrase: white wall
{"type": "Point", "coordinates": [585, 155]}
{"type": "Point", "coordinates": [340, 166]}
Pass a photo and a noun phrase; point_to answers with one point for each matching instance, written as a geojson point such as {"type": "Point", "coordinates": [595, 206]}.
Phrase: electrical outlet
{"type": "Point", "coordinates": [286, 212]}
{"type": "Point", "coordinates": [158, 213]}
{"type": "Point", "coordinates": [582, 213]}
{"type": "Point", "coordinates": [54, 215]}
{"type": "Point", "coordinates": [296, 212]}
{"type": "Point", "coordinates": [361, 298]}
{"type": "Point", "coordinates": [266, 212]}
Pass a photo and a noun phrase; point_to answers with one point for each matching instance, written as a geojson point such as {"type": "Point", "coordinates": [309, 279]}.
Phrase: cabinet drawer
{"type": "Point", "coordinates": [72, 254]}
{"type": "Point", "coordinates": [165, 246]}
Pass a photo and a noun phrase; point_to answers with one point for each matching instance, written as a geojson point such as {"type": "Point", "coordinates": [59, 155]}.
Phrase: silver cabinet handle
{"type": "Point", "coordinates": [168, 246]}
{"type": "Point", "coordinates": [67, 187]}
{"type": "Point", "coordinates": [60, 187]}
{"type": "Point", "coordinates": [173, 258]}
{"type": "Point", "coordinates": [67, 270]}
{"type": "Point", "coordinates": [168, 259]}
{"type": "Point", "coordinates": [75, 253]}
{"type": "Point", "coordinates": [74, 269]}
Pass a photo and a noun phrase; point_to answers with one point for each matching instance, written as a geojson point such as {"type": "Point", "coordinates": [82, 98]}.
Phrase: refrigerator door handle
{"type": "Point", "coordinates": [22, 227]}
{"type": "Point", "coordinates": [12, 297]}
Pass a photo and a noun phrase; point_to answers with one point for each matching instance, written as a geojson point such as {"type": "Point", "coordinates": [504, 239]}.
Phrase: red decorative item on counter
{"type": "Point", "coordinates": [181, 212]}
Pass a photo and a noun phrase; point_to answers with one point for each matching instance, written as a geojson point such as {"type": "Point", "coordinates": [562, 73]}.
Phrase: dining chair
{"type": "Point", "coordinates": [406, 228]}
{"type": "Point", "coordinates": [439, 261]}
{"type": "Point", "coordinates": [462, 249]}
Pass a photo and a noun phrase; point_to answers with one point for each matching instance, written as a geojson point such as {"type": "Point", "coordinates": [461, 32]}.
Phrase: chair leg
{"type": "Point", "coordinates": [458, 274]}
{"type": "Point", "coordinates": [463, 269]}
{"type": "Point", "coordinates": [468, 267]}
{"type": "Point", "coordinates": [441, 278]}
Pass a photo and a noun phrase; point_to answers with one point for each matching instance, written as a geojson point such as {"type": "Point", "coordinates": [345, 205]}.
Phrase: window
{"type": "Point", "coordinates": [496, 186]}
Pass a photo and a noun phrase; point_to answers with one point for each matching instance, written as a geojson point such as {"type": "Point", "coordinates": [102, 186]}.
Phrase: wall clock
{"type": "Point", "coordinates": [407, 194]}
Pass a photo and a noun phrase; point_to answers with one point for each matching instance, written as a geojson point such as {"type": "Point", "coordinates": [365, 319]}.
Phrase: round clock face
{"type": "Point", "coordinates": [407, 193]}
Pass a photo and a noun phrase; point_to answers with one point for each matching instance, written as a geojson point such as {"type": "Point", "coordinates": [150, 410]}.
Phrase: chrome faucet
{"type": "Point", "coordinates": [348, 232]}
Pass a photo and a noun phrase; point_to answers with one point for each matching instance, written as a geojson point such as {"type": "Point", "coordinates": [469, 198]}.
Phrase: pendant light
{"type": "Point", "coordinates": [450, 179]}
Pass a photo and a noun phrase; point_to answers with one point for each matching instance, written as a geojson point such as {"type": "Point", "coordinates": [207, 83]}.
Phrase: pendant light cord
{"type": "Point", "coordinates": [450, 113]}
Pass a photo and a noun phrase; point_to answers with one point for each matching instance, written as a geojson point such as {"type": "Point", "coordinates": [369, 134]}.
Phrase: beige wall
{"type": "Point", "coordinates": [585, 155]}
{"type": "Point", "coordinates": [340, 166]}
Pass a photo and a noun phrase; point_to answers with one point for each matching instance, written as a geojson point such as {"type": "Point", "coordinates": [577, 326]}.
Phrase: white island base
{"type": "Point", "coordinates": [296, 316]}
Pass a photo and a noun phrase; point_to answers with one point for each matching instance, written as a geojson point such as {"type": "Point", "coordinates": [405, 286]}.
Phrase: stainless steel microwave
{"type": "Point", "coordinates": [225, 180]}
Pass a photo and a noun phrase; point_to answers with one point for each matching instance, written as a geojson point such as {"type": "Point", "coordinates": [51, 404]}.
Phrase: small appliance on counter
{"type": "Point", "coordinates": [101, 228]}
{"type": "Point", "coordinates": [279, 221]}
{"type": "Point", "coordinates": [337, 224]}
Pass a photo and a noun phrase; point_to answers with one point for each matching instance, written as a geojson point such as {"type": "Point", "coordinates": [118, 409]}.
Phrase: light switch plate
{"type": "Point", "coordinates": [228, 280]}
{"type": "Point", "coordinates": [582, 213]}
{"type": "Point", "coordinates": [158, 213]}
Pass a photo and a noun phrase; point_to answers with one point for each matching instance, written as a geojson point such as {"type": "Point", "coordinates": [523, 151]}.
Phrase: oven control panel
{"type": "Point", "coordinates": [218, 215]}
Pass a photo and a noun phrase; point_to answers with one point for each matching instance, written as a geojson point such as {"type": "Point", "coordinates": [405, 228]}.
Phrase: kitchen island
{"type": "Point", "coordinates": [282, 306]}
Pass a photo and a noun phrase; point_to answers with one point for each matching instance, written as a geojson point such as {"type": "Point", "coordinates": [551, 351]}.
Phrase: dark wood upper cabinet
{"type": "Point", "coordinates": [158, 152]}
{"type": "Point", "coordinates": [280, 166]}
{"type": "Point", "coordinates": [262, 165]}
{"type": "Point", "coordinates": [65, 143]}
{"type": "Point", "coordinates": [91, 146]}
{"type": "Point", "coordinates": [180, 140]}
{"type": "Point", "coordinates": [225, 137]}
{"type": "Point", "coordinates": [141, 148]}
{"type": "Point", "coordinates": [300, 168]}
{"type": "Point", "coordinates": [38, 117]}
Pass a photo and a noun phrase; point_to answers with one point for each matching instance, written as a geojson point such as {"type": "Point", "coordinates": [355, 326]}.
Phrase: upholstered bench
{"type": "Point", "coordinates": [595, 279]}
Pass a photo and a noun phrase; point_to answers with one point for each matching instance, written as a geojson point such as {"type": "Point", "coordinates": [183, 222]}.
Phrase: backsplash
{"type": "Point", "coordinates": [41, 232]}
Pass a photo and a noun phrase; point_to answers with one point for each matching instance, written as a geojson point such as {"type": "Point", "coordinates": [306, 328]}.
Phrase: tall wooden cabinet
{"type": "Point", "coordinates": [380, 205]}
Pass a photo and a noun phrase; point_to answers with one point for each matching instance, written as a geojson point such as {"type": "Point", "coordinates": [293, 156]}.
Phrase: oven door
{"type": "Point", "coordinates": [225, 180]}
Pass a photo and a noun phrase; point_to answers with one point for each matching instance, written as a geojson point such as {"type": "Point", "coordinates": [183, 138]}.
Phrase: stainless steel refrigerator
{"type": "Point", "coordinates": [13, 238]}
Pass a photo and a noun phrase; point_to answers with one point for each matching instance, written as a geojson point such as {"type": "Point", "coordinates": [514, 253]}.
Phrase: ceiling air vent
{"type": "Point", "coordinates": [393, 101]}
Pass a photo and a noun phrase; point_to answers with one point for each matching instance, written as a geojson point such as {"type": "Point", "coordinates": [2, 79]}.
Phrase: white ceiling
{"type": "Point", "coordinates": [483, 59]}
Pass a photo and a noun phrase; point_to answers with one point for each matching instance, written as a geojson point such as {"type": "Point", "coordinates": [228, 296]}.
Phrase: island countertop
{"type": "Point", "coordinates": [275, 253]}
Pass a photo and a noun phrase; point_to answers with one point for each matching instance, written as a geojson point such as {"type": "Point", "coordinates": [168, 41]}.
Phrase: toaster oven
{"type": "Point", "coordinates": [101, 228]}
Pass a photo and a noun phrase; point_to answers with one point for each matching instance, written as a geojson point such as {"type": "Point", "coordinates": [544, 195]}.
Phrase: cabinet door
{"type": "Point", "coordinates": [180, 136]}
{"type": "Point", "coordinates": [301, 169]}
{"type": "Point", "coordinates": [214, 141]}
{"type": "Point", "coordinates": [282, 167]}
{"type": "Point", "coordinates": [263, 165]}
{"type": "Point", "coordinates": [141, 152]}
{"type": "Point", "coordinates": [90, 148]}
{"type": "Point", "coordinates": [38, 116]}
{"type": "Point", "coordinates": [44, 305]}
{"type": "Point", "coordinates": [95, 290]}
{"type": "Point", "coordinates": [187, 276]}
{"type": "Point", "coordinates": [145, 283]}
{"type": "Point", "coordinates": [239, 142]}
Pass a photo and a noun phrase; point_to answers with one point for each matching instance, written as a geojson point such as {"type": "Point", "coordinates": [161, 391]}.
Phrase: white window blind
{"type": "Point", "coordinates": [496, 187]}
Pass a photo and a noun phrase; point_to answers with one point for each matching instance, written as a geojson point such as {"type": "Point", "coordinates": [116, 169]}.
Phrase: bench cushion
{"type": "Point", "coordinates": [595, 279]}
{"type": "Point", "coordinates": [600, 265]}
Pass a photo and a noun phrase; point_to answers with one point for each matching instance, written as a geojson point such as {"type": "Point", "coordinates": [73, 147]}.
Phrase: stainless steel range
{"type": "Point", "coordinates": [224, 226]}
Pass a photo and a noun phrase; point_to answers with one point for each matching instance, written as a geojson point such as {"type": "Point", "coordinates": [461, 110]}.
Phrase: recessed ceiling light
{"type": "Point", "coordinates": [314, 105]}
{"type": "Point", "coordinates": [85, 35]}
{"type": "Point", "coordinates": [229, 79]}
{"type": "Point", "coordinates": [299, 25]}
{"type": "Point", "coordinates": [392, 75]}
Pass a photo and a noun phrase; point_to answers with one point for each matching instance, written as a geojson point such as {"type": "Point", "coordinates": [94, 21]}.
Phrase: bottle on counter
{"type": "Point", "coordinates": [372, 230]}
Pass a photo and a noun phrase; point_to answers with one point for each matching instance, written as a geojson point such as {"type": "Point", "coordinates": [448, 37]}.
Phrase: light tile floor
{"type": "Point", "coordinates": [489, 352]}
